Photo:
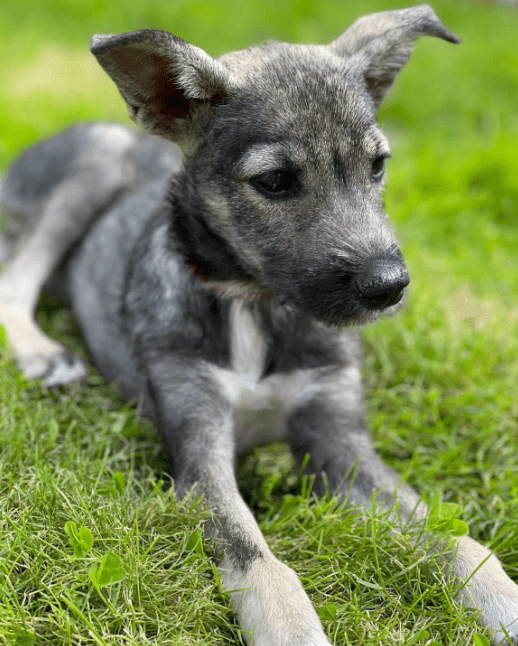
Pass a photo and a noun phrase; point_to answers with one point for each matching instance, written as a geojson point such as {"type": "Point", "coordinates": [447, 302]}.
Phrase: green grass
{"type": "Point", "coordinates": [440, 377]}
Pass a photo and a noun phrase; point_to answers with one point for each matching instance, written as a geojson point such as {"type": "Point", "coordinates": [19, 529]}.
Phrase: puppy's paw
{"type": "Point", "coordinates": [57, 369]}
{"type": "Point", "coordinates": [500, 639]}
{"type": "Point", "coordinates": [272, 607]}
{"type": "Point", "coordinates": [502, 611]}
{"type": "Point", "coordinates": [38, 356]}
{"type": "Point", "coordinates": [488, 588]}
{"type": "Point", "coordinates": [318, 640]}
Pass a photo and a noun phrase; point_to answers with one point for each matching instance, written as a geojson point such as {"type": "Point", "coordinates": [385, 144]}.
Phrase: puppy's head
{"type": "Point", "coordinates": [282, 187]}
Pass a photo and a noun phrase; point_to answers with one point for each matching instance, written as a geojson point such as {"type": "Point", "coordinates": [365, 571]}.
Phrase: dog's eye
{"type": "Point", "coordinates": [378, 168]}
{"type": "Point", "coordinates": [274, 183]}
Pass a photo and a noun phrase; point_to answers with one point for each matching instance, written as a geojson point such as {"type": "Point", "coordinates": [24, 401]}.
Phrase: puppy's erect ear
{"type": "Point", "coordinates": [378, 45]}
{"type": "Point", "coordinates": [161, 77]}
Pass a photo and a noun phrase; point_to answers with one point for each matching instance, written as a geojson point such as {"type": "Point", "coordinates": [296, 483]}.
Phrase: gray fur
{"type": "Point", "coordinates": [220, 289]}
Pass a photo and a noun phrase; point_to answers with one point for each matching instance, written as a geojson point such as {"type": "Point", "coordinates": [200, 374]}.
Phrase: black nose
{"type": "Point", "coordinates": [382, 283]}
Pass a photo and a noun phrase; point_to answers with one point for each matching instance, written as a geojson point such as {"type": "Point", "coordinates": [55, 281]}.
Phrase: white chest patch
{"type": "Point", "coordinates": [247, 343]}
{"type": "Point", "coordinates": [261, 405]}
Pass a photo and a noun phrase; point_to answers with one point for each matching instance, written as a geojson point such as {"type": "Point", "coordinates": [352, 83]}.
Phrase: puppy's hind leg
{"type": "Point", "coordinates": [98, 173]}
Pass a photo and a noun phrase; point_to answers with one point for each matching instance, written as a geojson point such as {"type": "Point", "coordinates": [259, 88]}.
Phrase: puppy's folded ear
{"type": "Point", "coordinates": [162, 78]}
{"type": "Point", "coordinates": [378, 45]}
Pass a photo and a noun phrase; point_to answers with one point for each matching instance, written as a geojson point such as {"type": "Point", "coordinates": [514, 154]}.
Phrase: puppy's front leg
{"type": "Point", "coordinates": [197, 423]}
{"type": "Point", "coordinates": [330, 427]}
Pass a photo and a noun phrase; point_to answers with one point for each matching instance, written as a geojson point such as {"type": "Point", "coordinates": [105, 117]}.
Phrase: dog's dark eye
{"type": "Point", "coordinates": [378, 168]}
{"type": "Point", "coordinates": [274, 183]}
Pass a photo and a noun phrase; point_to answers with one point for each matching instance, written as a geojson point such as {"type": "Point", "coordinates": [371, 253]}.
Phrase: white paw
{"type": "Point", "coordinates": [38, 356]}
{"type": "Point", "coordinates": [500, 639]}
{"type": "Point", "coordinates": [501, 611]}
{"type": "Point", "coordinates": [489, 589]}
{"type": "Point", "coordinates": [55, 370]}
{"type": "Point", "coordinates": [317, 640]}
{"type": "Point", "coordinates": [272, 607]}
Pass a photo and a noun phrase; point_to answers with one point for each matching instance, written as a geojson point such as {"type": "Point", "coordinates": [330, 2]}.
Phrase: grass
{"type": "Point", "coordinates": [440, 377]}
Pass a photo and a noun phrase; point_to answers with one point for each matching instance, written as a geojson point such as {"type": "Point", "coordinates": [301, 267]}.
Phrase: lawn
{"type": "Point", "coordinates": [94, 548]}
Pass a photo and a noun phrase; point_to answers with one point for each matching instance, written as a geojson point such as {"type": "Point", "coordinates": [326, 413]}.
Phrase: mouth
{"type": "Point", "coordinates": [343, 295]}
{"type": "Point", "coordinates": [251, 292]}
{"type": "Point", "coordinates": [388, 309]}
{"type": "Point", "coordinates": [336, 298]}
{"type": "Point", "coordinates": [351, 312]}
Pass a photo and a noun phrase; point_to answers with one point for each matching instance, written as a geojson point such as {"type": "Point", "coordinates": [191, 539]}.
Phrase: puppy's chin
{"type": "Point", "coordinates": [244, 290]}
{"type": "Point", "coordinates": [347, 313]}
{"type": "Point", "coordinates": [366, 316]}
